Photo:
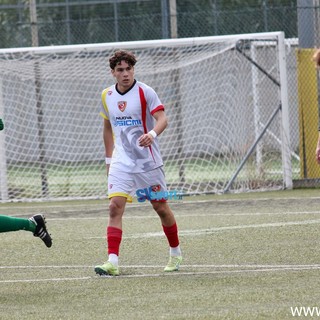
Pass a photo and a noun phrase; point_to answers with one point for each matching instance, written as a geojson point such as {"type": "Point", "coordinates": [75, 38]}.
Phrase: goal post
{"type": "Point", "coordinates": [285, 128]}
{"type": "Point", "coordinates": [218, 103]}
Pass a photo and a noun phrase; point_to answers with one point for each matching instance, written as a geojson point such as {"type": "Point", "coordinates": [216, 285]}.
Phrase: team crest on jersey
{"type": "Point", "coordinates": [122, 105]}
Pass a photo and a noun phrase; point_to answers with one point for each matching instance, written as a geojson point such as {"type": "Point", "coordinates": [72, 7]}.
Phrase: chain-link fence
{"type": "Point", "coordinates": [62, 22]}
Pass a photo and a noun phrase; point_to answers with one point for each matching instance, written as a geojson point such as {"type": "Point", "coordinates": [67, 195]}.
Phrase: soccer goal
{"type": "Point", "coordinates": [225, 97]}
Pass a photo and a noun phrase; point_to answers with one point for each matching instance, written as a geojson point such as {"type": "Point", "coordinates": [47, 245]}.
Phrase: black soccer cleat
{"type": "Point", "coordinates": [41, 229]}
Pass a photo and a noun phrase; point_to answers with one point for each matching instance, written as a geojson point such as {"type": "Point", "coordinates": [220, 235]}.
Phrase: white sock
{"type": "Point", "coordinates": [113, 258]}
{"type": "Point", "coordinates": [174, 252]}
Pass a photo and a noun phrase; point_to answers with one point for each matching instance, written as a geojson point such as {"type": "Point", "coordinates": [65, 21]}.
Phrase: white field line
{"type": "Point", "coordinates": [155, 275]}
{"type": "Point", "coordinates": [210, 266]}
{"type": "Point", "coordinates": [45, 280]}
{"type": "Point", "coordinates": [75, 207]}
{"type": "Point", "coordinates": [154, 216]}
{"type": "Point", "coordinates": [207, 231]}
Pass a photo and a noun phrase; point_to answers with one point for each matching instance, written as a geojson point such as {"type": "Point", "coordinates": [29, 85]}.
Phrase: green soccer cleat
{"type": "Point", "coordinates": [107, 269]}
{"type": "Point", "coordinates": [173, 264]}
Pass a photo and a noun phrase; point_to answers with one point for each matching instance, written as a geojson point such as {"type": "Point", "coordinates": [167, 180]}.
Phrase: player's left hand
{"type": "Point", "coordinates": [318, 155]}
{"type": "Point", "coordinates": [316, 58]}
{"type": "Point", "coordinates": [145, 140]}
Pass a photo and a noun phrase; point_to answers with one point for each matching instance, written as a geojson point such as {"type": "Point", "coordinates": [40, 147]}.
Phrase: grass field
{"type": "Point", "coordinates": [246, 256]}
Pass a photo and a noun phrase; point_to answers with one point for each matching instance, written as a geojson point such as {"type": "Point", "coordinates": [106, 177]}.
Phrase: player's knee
{"type": "Point", "coordinates": [115, 209]}
{"type": "Point", "coordinates": [161, 208]}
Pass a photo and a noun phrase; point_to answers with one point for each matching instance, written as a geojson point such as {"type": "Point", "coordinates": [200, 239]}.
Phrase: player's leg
{"type": "Point", "coordinates": [155, 180]}
{"type": "Point", "coordinates": [170, 229]}
{"type": "Point", "coordinates": [114, 237]}
{"type": "Point", "coordinates": [35, 224]}
{"type": "Point", "coordinates": [119, 187]}
{"type": "Point", "coordinates": [8, 224]}
{"type": "Point", "coordinates": [114, 232]}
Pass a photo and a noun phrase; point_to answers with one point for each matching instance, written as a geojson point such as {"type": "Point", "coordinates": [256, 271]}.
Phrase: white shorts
{"type": "Point", "coordinates": [142, 184]}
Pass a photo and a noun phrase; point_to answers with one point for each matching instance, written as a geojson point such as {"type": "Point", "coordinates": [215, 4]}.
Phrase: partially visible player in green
{"type": "Point", "coordinates": [36, 224]}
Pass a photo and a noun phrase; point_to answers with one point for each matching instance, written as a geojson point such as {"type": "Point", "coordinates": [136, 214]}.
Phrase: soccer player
{"type": "Point", "coordinates": [316, 59]}
{"type": "Point", "coordinates": [133, 117]}
{"type": "Point", "coordinates": [36, 224]}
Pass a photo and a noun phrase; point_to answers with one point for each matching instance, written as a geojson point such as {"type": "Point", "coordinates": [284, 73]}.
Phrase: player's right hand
{"type": "Point", "coordinates": [145, 140]}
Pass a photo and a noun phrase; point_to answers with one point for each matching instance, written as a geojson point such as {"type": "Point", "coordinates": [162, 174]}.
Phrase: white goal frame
{"type": "Point", "coordinates": [277, 37]}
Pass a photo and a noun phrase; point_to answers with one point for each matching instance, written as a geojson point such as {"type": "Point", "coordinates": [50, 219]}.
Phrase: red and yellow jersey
{"type": "Point", "coordinates": [130, 115]}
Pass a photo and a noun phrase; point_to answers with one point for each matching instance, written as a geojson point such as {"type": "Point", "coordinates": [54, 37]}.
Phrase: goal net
{"type": "Point", "coordinates": [225, 98]}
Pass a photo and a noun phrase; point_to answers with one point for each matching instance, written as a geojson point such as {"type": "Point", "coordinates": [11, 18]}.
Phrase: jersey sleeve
{"type": "Point", "coordinates": [104, 113]}
{"type": "Point", "coordinates": [153, 102]}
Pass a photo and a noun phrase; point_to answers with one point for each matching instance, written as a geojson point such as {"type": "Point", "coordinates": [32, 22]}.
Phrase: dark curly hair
{"type": "Point", "coordinates": [122, 55]}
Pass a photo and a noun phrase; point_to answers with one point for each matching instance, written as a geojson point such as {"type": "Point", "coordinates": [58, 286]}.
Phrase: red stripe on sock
{"type": "Point", "coordinates": [114, 236]}
{"type": "Point", "coordinates": [172, 235]}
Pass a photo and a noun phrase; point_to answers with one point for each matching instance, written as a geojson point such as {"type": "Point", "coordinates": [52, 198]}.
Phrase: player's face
{"type": "Point", "coordinates": [124, 74]}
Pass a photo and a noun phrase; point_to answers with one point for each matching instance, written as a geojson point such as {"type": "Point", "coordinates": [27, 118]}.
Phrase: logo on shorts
{"type": "Point", "coordinates": [110, 186]}
{"type": "Point", "coordinates": [156, 188]}
{"type": "Point", "coordinates": [155, 193]}
{"type": "Point", "coordinates": [122, 105]}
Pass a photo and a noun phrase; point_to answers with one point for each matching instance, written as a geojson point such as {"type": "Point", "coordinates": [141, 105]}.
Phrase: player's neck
{"type": "Point", "coordinates": [122, 89]}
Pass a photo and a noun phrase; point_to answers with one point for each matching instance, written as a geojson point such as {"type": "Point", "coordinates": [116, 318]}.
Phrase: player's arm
{"type": "Point", "coordinates": [108, 141]}
{"type": "Point", "coordinates": [316, 59]}
{"type": "Point", "coordinates": [161, 123]}
{"type": "Point", "coordinates": [318, 150]}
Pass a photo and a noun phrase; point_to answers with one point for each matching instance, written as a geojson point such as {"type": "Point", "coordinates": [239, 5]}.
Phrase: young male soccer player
{"type": "Point", "coordinates": [133, 118]}
{"type": "Point", "coordinates": [35, 224]}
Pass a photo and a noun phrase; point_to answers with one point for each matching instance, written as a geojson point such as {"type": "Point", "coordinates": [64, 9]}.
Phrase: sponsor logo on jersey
{"type": "Point", "coordinates": [122, 105]}
{"type": "Point", "coordinates": [126, 122]}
